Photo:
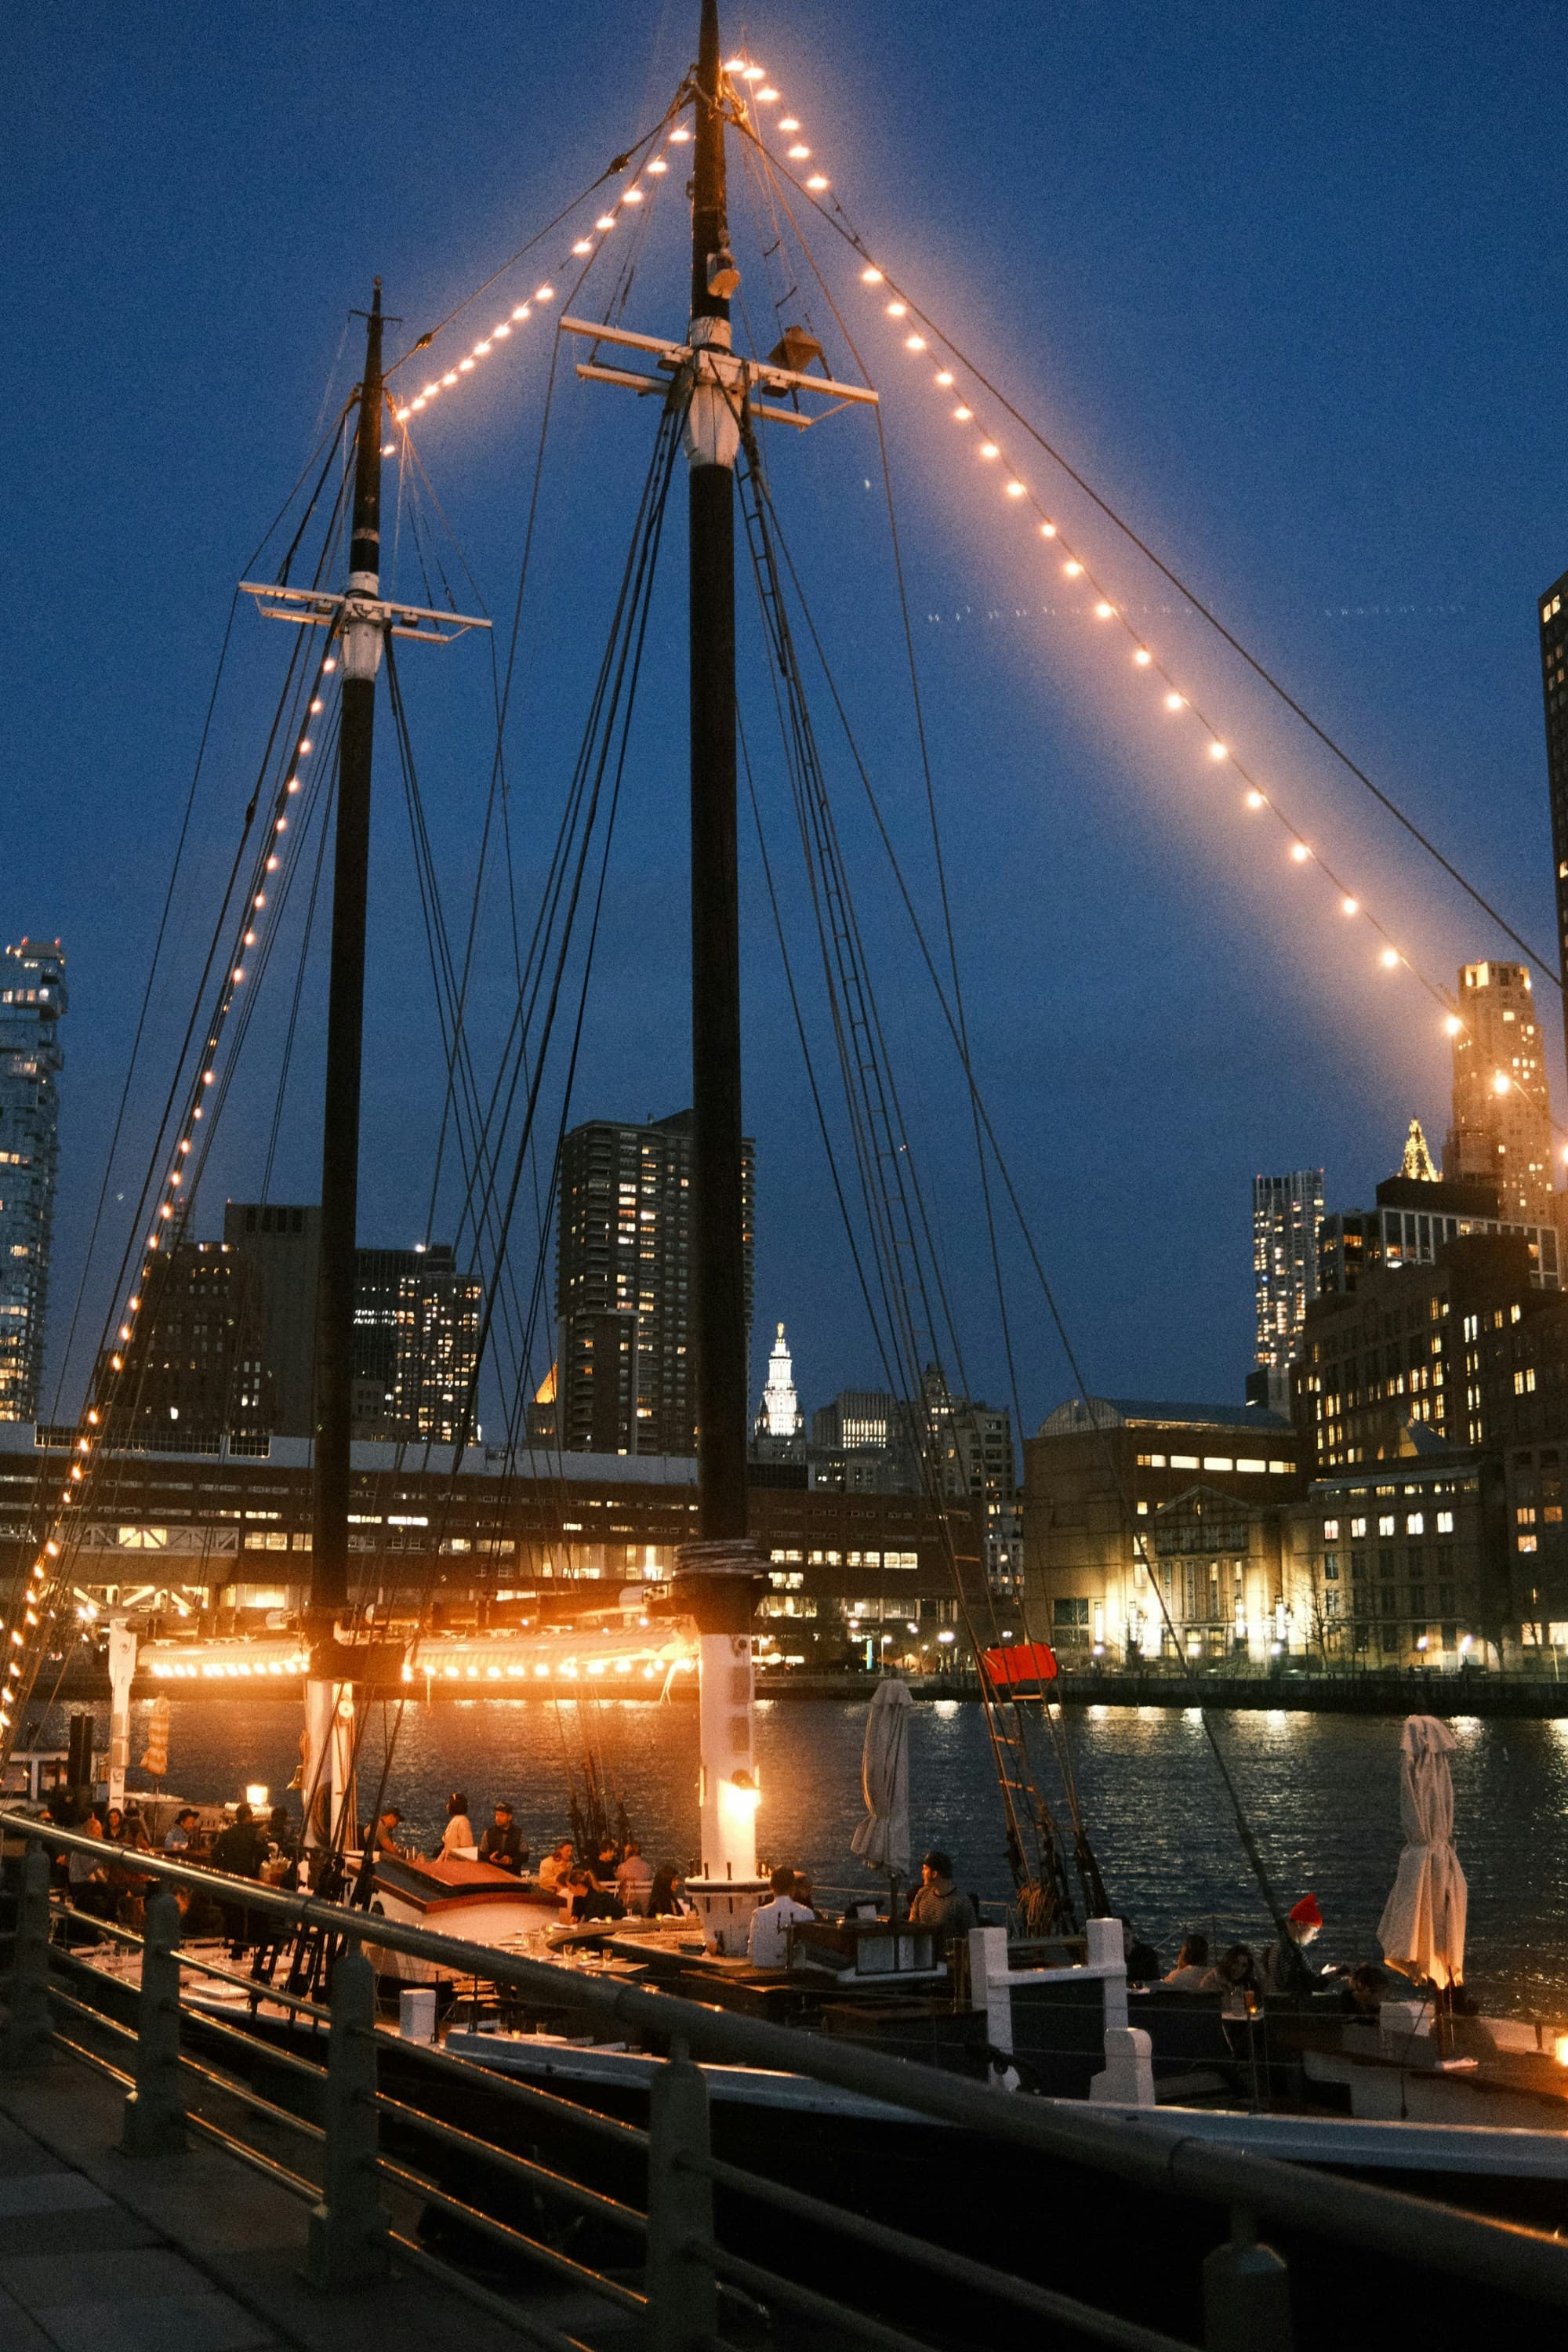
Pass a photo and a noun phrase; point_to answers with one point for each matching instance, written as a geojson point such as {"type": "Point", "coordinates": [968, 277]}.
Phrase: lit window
{"type": "Point", "coordinates": [1330, 1530]}
{"type": "Point", "coordinates": [1527, 1543]}
{"type": "Point", "coordinates": [1217, 1462]}
{"type": "Point", "coordinates": [1415, 1522]}
{"type": "Point", "coordinates": [1358, 1528]}
{"type": "Point", "coordinates": [1386, 1525]}
{"type": "Point", "coordinates": [1445, 1523]}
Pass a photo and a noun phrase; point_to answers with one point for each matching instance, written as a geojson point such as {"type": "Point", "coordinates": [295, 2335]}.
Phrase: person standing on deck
{"type": "Point", "coordinates": [937, 1902]}
{"type": "Point", "coordinates": [459, 1829]}
{"type": "Point", "coordinates": [502, 1842]}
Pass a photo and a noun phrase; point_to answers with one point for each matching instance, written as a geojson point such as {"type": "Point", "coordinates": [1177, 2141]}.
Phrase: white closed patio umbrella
{"type": "Point", "coordinates": [1422, 1929]}
{"type": "Point", "coordinates": [882, 1839]}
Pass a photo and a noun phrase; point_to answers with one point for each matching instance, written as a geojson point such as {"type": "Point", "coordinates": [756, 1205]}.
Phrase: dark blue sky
{"type": "Point", "coordinates": [1286, 284]}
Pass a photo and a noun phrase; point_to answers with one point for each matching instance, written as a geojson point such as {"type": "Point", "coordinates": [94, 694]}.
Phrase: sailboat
{"type": "Point", "coordinates": [1048, 2011]}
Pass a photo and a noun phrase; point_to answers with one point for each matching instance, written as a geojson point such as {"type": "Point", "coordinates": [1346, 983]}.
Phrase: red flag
{"type": "Point", "coordinates": [1026, 1662]}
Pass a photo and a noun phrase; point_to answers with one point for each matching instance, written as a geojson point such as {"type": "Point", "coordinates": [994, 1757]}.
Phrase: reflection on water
{"type": "Point", "coordinates": [1321, 1791]}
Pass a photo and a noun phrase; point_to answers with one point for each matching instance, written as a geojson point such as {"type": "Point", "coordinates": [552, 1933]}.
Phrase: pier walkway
{"type": "Point", "coordinates": [193, 2253]}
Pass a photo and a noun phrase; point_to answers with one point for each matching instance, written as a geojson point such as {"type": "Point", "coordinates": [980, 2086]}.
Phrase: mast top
{"type": "Point", "coordinates": [714, 276]}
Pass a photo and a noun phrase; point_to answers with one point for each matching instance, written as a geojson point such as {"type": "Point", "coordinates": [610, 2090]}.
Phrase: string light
{"type": "Point", "coordinates": [581, 249]}
{"type": "Point", "coordinates": [36, 1611]}
{"type": "Point", "coordinates": [1257, 798]}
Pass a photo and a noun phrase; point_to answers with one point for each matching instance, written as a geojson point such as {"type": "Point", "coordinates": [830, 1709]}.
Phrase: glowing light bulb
{"type": "Point", "coordinates": [896, 310]}
{"type": "Point", "coordinates": [583, 245]}
{"type": "Point", "coordinates": [766, 97]}
{"type": "Point", "coordinates": [816, 182]}
{"type": "Point", "coordinates": [632, 197]}
{"type": "Point", "coordinates": [679, 135]}
{"type": "Point", "coordinates": [1501, 1083]}
{"type": "Point", "coordinates": [914, 343]}
{"type": "Point", "coordinates": [1175, 701]}
{"type": "Point", "coordinates": [330, 664]}
{"type": "Point", "coordinates": [1255, 800]}
{"type": "Point", "coordinates": [481, 351]}
{"type": "Point", "coordinates": [963, 415]}
{"type": "Point", "coordinates": [428, 391]}
{"type": "Point", "coordinates": [752, 73]}
{"type": "Point", "coordinates": [1453, 1025]}
{"type": "Point", "coordinates": [658, 164]}
{"type": "Point", "coordinates": [1072, 568]}
{"type": "Point", "coordinates": [945, 379]}
{"type": "Point", "coordinates": [318, 704]}
{"type": "Point", "coordinates": [788, 122]}
{"type": "Point", "coordinates": [450, 377]}
{"type": "Point", "coordinates": [306, 747]}
{"type": "Point", "coordinates": [521, 312]}
{"type": "Point", "coordinates": [1048, 531]}
{"type": "Point", "coordinates": [734, 65]}
{"type": "Point", "coordinates": [1350, 906]}
{"type": "Point", "coordinates": [420, 402]}
{"type": "Point", "coordinates": [1103, 611]}
{"type": "Point", "coordinates": [989, 449]}
{"type": "Point", "coordinates": [1143, 657]}
{"type": "Point", "coordinates": [799, 153]}
{"type": "Point", "coordinates": [1014, 489]}
{"type": "Point", "coordinates": [1299, 852]}
{"type": "Point", "coordinates": [1390, 958]}
{"type": "Point", "coordinates": [1217, 752]}
{"type": "Point", "coordinates": [499, 331]}
{"type": "Point", "coordinates": [465, 367]}
{"type": "Point", "coordinates": [544, 293]}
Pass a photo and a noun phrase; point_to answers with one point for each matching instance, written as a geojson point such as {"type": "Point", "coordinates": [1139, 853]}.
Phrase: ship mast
{"type": "Point", "coordinates": [715, 1577]}
{"type": "Point", "coordinates": [329, 1705]}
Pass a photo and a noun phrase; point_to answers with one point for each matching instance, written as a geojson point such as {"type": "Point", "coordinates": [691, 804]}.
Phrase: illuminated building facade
{"type": "Point", "coordinates": [194, 1377]}
{"type": "Point", "coordinates": [626, 1380]}
{"type": "Point", "coordinates": [1286, 1212]}
{"type": "Point", "coordinates": [1414, 1221]}
{"type": "Point", "coordinates": [417, 1325]}
{"type": "Point", "coordinates": [779, 1418]}
{"type": "Point", "coordinates": [32, 1000]}
{"type": "Point", "coordinates": [1503, 1114]}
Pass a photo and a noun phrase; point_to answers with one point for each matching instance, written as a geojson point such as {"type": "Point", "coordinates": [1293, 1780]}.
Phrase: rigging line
{"type": "Point", "coordinates": [146, 1005]}
{"type": "Point", "coordinates": [617, 164]}
{"type": "Point", "coordinates": [866, 1074]}
{"type": "Point", "coordinates": [843, 228]}
{"type": "Point", "coordinates": [294, 547]}
{"type": "Point", "coordinates": [299, 990]}
{"type": "Point", "coordinates": [669, 437]}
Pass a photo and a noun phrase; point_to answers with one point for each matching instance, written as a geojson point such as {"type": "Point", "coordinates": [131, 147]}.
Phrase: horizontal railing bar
{"type": "Point", "coordinates": [555, 2184]}
{"type": "Point", "coordinates": [594, 2282]}
{"type": "Point", "coordinates": [528, 2094]}
{"type": "Point", "coordinates": [99, 2017]}
{"type": "Point", "coordinates": [295, 2182]}
{"type": "Point", "coordinates": [1384, 2220]}
{"type": "Point", "coordinates": [1046, 2303]}
{"type": "Point", "coordinates": [189, 1959]}
{"type": "Point", "coordinates": [90, 2058]}
{"type": "Point", "coordinates": [538, 2331]}
{"type": "Point", "coordinates": [770, 2288]}
{"type": "Point", "coordinates": [261, 2049]}
{"type": "Point", "coordinates": [249, 2098]}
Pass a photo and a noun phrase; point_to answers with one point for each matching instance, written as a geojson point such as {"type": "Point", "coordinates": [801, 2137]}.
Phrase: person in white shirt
{"type": "Point", "coordinates": [767, 1938]}
{"type": "Point", "coordinates": [634, 1878]}
{"type": "Point", "coordinates": [459, 1829]}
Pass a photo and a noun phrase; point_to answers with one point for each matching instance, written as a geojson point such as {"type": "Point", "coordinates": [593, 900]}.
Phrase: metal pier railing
{"type": "Point", "coordinates": [384, 2171]}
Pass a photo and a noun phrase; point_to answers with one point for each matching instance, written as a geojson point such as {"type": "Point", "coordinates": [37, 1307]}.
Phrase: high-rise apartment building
{"type": "Point", "coordinates": [194, 1374]}
{"type": "Point", "coordinates": [1553, 609]}
{"type": "Point", "coordinates": [1286, 1215]}
{"type": "Point", "coordinates": [417, 1325]}
{"type": "Point", "coordinates": [624, 1374]}
{"type": "Point", "coordinates": [32, 999]}
{"type": "Point", "coordinates": [1501, 1127]}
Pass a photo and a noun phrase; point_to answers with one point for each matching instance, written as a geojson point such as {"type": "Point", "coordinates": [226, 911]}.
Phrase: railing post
{"type": "Point", "coordinates": [155, 2110]}
{"type": "Point", "coordinates": [347, 2246]}
{"type": "Point", "coordinates": [26, 2041]}
{"type": "Point", "coordinates": [1246, 2294]}
{"type": "Point", "coordinates": [682, 2293]}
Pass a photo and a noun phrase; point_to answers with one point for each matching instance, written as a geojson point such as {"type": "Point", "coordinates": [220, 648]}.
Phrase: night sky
{"type": "Point", "coordinates": [1286, 285]}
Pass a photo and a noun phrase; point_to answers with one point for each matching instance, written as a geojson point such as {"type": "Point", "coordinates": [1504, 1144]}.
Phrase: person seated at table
{"type": "Point", "coordinates": [87, 1875]}
{"type": "Point", "coordinates": [385, 1836]}
{"type": "Point", "coordinates": [1192, 1967]}
{"type": "Point", "coordinates": [556, 1866]}
{"type": "Point", "coordinates": [503, 1843]}
{"type": "Point", "coordinates": [633, 1878]}
{"type": "Point", "coordinates": [767, 1938]}
{"type": "Point", "coordinates": [666, 1895]}
{"type": "Point", "coordinates": [584, 1899]}
{"type": "Point", "coordinates": [1235, 1976]}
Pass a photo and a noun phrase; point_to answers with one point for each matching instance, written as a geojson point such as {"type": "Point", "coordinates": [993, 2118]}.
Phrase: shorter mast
{"type": "Point", "coordinates": [329, 1701]}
